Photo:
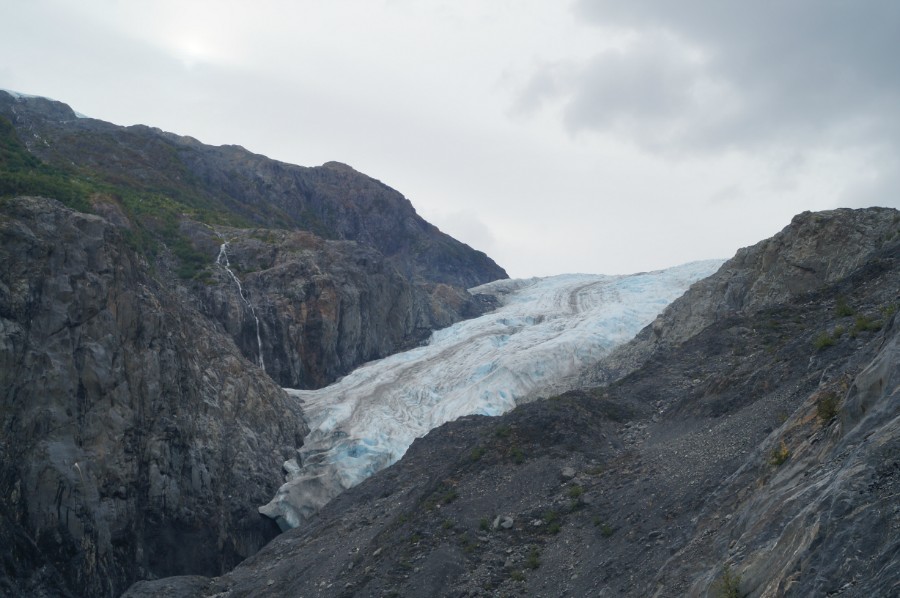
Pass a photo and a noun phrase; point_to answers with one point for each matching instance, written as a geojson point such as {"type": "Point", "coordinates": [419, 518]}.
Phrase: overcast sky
{"type": "Point", "coordinates": [603, 136]}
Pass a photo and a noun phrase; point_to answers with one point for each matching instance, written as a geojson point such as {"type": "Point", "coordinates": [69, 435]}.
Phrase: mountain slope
{"type": "Point", "coordinates": [763, 443]}
{"type": "Point", "coordinates": [333, 201]}
{"type": "Point", "coordinates": [376, 278]}
{"type": "Point", "coordinates": [134, 434]}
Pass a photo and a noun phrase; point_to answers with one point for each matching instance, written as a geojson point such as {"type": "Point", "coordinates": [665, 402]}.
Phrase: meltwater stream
{"type": "Point", "coordinates": [222, 261]}
{"type": "Point", "coordinates": [546, 331]}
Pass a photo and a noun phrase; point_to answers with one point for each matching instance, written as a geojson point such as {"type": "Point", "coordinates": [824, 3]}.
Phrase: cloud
{"type": "Point", "coordinates": [713, 75]}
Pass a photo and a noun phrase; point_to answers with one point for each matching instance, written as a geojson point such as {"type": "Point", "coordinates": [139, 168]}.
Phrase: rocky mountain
{"type": "Point", "coordinates": [134, 433]}
{"type": "Point", "coordinates": [156, 294]}
{"type": "Point", "coordinates": [744, 444]}
{"type": "Point", "coordinates": [376, 278]}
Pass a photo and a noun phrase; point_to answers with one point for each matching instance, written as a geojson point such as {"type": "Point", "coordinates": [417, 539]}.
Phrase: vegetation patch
{"type": "Point", "coordinates": [445, 494]}
{"type": "Point", "coordinates": [827, 407]}
{"type": "Point", "coordinates": [779, 455]}
{"type": "Point", "coordinates": [533, 560]}
{"type": "Point", "coordinates": [517, 455]}
{"type": "Point", "coordinates": [606, 530]}
{"type": "Point", "coordinates": [823, 341]}
{"type": "Point", "coordinates": [842, 308]}
{"type": "Point", "coordinates": [727, 586]}
{"type": "Point", "coordinates": [21, 173]}
{"type": "Point", "coordinates": [503, 431]}
{"type": "Point", "coordinates": [553, 522]}
{"type": "Point", "coordinates": [517, 575]}
{"type": "Point", "coordinates": [866, 324]}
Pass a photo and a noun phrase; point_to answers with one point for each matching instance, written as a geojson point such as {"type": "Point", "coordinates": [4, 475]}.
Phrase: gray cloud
{"type": "Point", "coordinates": [708, 75]}
{"type": "Point", "coordinates": [649, 90]}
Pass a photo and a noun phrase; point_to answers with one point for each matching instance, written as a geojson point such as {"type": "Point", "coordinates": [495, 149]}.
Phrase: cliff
{"type": "Point", "coordinates": [137, 440]}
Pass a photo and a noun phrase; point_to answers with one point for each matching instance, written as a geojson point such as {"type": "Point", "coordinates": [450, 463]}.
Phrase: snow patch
{"type": "Point", "coordinates": [23, 96]}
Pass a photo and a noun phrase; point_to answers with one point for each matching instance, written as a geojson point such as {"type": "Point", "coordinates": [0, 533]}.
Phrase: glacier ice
{"type": "Point", "coordinates": [544, 333]}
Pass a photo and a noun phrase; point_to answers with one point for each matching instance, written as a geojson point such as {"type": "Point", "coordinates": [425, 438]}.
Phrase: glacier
{"type": "Point", "coordinates": [545, 332]}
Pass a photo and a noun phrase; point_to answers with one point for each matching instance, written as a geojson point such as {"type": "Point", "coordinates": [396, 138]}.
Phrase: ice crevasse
{"type": "Point", "coordinates": [545, 332]}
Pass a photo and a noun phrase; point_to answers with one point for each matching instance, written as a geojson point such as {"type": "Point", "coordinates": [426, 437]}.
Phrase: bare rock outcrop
{"type": "Point", "coordinates": [309, 310]}
{"type": "Point", "coordinates": [814, 250]}
{"type": "Point", "coordinates": [136, 439]}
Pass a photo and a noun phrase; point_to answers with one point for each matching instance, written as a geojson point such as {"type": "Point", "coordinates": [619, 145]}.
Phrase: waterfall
{"type": "Point", "coordinates": [222, 260]}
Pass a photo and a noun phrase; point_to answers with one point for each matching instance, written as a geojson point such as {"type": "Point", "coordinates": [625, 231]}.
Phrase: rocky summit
{"type": "Point", "coordinates": [157, 295]}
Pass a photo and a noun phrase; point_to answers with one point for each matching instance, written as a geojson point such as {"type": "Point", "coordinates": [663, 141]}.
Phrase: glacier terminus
{"type": "Point", "coordinates": [544, 333]}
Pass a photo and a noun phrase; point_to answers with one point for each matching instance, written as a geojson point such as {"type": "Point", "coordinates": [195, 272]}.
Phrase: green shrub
{"type": "Point", "coordinates": [823, 341]}
{"type": "Point", "coordinates": [827, 407]}
{"type": "Point", "coordinates": [533, 561]}
{"type": "Point", "coordinates": [779, 455]}
{"type": "Point", "coordinates": [727, 586]}
{"type": "Point", "coordinates": [866, 324]}
{"type": "Point", "coordinates": [842, 308]}
{"type": "Point", "coordinates": [484, 524]}
{"type": "Point", "coordinates": [468, 544]}
{"type": "Point", "coordinates": [551, 519]}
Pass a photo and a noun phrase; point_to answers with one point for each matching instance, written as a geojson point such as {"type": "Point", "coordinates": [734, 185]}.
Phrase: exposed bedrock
{"type": "Point", "coordinates": [136, 439]}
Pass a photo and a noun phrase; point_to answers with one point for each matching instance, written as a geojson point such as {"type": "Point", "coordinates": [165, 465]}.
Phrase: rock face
{"type": "Point", "coordinates": [336, 268]}
{"type": "Point", "coordinates": [814, 251]}
{"type": "Point", "coordinates": [312, 309]}
{"type": "Point", "coordinates": [136, 440]}
{"type": "Point", "coordinates": [763, 444]}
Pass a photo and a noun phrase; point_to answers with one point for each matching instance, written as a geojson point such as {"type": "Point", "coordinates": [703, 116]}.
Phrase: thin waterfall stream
{"type": "Point", "coordinates": [222, 261]}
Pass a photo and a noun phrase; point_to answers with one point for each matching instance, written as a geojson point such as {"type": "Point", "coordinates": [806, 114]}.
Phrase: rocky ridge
{"type": "Point", "coordinates": [757, 454]}
{"type": "Point", "coordinates": [333, 201]}
{"type": "Point", "coordinates": [813, 251]}
{"type": "Point", "coordinates": [380, 278]}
